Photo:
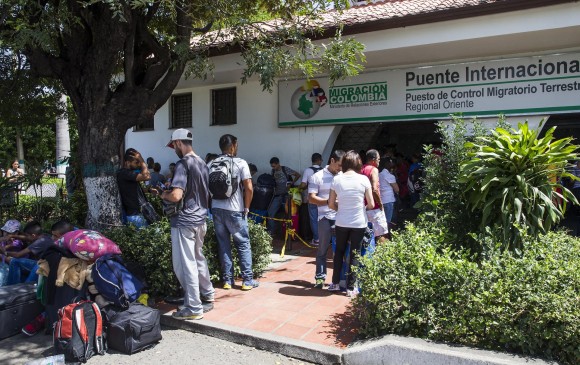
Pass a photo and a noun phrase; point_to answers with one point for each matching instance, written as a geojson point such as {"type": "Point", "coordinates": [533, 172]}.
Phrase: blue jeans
{"type": "Point", "coordinates": [313, 212]}
{"type": "Point", "coordinates": [325, 230]}
{"type": "Point", "coordinates": [389, 209]}
{"type": "Point", "coordinates": [277, 202]}
{"type": "Point", "coordinates": [15, 272]}
{"type": "Point", "coordinates": [233, 224]}
{"type": "Point", "coordinates": [137, 220]}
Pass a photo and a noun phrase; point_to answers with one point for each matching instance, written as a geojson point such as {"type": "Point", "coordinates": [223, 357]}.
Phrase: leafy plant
{"type": "Point", "coordinates": [418, 286]}
{"type": "Point", "coordinates": [150, 248]}
{"type": "Point", "coordinates": [512, 178]}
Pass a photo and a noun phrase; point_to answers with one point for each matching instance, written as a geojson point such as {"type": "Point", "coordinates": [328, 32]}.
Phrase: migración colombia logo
{"type": "Point", "coordinates": [308, 99]}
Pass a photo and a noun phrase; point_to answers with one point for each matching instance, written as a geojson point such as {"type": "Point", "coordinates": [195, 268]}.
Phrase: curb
{"type": "Point", "coordinates": [397, 350]}
{"type": "Point", "coordinates": [310, 352]}
{"type": "Point", "coordinates": [387, 350]}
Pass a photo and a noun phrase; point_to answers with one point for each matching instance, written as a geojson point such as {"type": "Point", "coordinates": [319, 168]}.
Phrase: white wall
{"type": "Point", "coordinates": [257, 131]}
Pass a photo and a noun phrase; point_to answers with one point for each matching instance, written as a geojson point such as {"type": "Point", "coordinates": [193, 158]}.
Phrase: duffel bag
{"type": "Point", "coordinates": [78, 333]}
{"type": "Point", "coordinates": [133, 329]}
{"type": "Point", "coordinates": [114, 282]}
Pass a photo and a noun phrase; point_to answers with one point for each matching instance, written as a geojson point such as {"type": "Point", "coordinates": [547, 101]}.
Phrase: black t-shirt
{"type": "Point", "coordinates": [128, 188]}
{"type": "Point", "coordinates": [40, 245]}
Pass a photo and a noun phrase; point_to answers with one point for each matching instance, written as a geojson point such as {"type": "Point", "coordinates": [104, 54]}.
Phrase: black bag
{"type": "Point", "coordinates": [18, 307]}
{"type": "Point", "coordinates": [78, 334]}
{"type": "Point", "coordinates": [134, 329]}
{"type": "Point", "coordinates": [147, 209]}
{"type": "Point", "coordinates": [368, 237]}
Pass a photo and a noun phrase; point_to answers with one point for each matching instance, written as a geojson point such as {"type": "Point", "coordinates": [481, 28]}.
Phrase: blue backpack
{"type": "Point", "coordinates": [114, 282]}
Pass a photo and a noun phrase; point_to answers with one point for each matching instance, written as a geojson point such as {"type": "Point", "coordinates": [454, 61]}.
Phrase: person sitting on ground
{"type": "Point", "coordinates": [23, 269]}
{"type": "Point", "coordinates": [157, 179]}
{"type": "Point", "coordinates": [169, 175]}
{"type": "Point", "coordinates": [8, 231]}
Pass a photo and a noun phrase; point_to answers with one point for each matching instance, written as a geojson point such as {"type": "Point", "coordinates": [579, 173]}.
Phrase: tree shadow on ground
{"type": "Point", "coordinates": [342, 327]}
{"type": "Point", "coordinates": [302, 288]}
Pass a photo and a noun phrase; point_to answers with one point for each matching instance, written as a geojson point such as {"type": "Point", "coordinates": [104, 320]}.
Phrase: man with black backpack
{"type": "Point", "coordinates": [285, 177]}
{"type": "Point", "coordinates": [311, 209]}
{"type": "Point", "coordinates": [230, 185]}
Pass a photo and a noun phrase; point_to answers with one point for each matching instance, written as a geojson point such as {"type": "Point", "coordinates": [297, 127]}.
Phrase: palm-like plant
{"type": "Point", "coordinates": [512, 176]}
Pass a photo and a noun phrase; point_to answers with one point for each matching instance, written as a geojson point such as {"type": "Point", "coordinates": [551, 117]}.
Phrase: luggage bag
{"type": "Point", "coordinates": [133, 329]}
{"type": "Point", "coordinates": [18, 307]}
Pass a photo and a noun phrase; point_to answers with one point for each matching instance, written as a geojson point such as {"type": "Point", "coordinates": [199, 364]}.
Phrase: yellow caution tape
{"type": "Point", "coordinates": [290, 232]}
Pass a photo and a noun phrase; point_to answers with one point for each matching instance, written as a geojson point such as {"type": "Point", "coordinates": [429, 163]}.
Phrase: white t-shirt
{"type": "Point", "coordinates": [308, 172]}
{"type": "Point", "coordinates": [387, 192]}
{"type": "Point", "coordinates": [319, 184]}
{"type": "Point", "coordinates": [236, 202]}
{"type": "Point", "coordinates": [350, 192]}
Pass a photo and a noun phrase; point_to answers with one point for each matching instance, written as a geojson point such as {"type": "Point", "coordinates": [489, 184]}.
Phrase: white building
{"type": "Point", "coordinates": [425, 60]}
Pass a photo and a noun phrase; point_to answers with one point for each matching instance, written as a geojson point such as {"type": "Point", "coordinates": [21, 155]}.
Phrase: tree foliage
{"type": "Point", "coordinates": [119, 61]}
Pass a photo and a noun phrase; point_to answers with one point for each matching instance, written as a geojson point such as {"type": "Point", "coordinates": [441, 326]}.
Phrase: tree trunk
{"type": "Point", "coordinates": [62, 141]}
{"type": "Point", "coordinates": [99, 154]}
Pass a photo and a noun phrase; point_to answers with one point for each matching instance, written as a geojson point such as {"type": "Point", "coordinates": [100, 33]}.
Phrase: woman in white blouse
{"type": "Point", "coordinates": [347, 195]}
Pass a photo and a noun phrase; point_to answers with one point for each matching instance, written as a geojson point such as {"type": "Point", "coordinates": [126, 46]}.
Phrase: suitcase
{"type": "Point", "coordinates": [18, 307]}
{"type": "Point", "coordinates": [133, 329]}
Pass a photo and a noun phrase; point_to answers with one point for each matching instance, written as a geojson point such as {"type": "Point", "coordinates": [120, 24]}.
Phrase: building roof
{"type": "Point", "coordinates": [387, 14]}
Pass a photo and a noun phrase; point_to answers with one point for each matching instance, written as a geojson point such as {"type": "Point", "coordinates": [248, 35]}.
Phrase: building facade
{"type": "Point", "coordinates": [425, 60]}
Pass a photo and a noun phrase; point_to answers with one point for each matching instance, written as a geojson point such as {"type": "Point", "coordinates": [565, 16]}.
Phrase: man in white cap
{"type": "Point", "coordinates": [190, 184]}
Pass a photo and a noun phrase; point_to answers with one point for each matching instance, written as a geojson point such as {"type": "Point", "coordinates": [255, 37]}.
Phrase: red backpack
{"type": "Point", "coordinates": [78, 333]}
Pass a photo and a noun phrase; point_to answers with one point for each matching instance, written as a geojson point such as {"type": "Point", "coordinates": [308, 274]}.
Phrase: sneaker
{"type": "Point", "coordinates": [186, 314]}
{"type": "Point", "coordinates": [315, 243]}
{"type": "Point", "coordinates": [319, 284]}
{"type": "Point", "coordinates": [352, 293]}
{"type": "Point", "coordinates": [333, 287]}
{"type": "Point", "coordinates": [35, 326]}
{"type": "Point", "coordinates": [210, 298]}
{"type": "Point", "coordinates": [227, 286]}
{"type": "Point", "coordinates": [207, 307]}
{"type": "Point", "coordinates": [249, 285]}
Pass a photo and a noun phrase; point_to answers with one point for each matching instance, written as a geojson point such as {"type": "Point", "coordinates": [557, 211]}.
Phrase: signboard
{"type": "Point", "coordinates": [522, 86]}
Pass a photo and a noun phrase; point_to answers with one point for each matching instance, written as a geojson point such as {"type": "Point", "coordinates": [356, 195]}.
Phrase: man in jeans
{"type": "Point", "coordinates": [312, 208]}
{"type": "Point", "coordinates": [318, 192]}
{"type": "Point", "coordinates": [188, 227]}
{"type": "Point", "coordinates": [230, 217]}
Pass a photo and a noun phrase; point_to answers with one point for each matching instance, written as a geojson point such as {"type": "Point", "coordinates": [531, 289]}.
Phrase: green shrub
{"type": "Point", "coordinates": [417, 286]}
{"type": "Point", "coordinates": [512, 176]}
{"type": "Point", "coordinates": [150, 247]}
{"type": "Point", "coordinates": [442, 202]}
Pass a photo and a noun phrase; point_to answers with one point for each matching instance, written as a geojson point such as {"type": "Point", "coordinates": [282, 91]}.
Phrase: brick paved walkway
{"type": "Point", "coordinates": [286, 304]}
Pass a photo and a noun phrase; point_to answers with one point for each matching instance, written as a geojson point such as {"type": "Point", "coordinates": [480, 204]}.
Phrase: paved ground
{"type": "Point", "coordinates": [286, 304]}
{"type": "Point", "coordinates": [177, 347]}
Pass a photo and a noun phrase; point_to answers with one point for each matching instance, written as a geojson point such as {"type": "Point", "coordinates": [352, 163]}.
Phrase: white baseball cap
{"type": "Point", "coordinates": [179, 134]}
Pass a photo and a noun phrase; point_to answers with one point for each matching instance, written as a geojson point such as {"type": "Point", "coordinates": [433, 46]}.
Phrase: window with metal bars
{"type": "Point", "coordinates": [223, 102]}
{"type": "Point", "coordinates": [181, 113]}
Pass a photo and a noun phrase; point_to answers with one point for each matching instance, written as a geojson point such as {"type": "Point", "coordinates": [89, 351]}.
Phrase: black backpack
{"type": "Point", "coordinates": [222, 183]}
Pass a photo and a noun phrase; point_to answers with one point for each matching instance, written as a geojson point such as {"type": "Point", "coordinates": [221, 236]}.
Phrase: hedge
{"type": "Point", "coordinates": [150, 248]}
{"type": "Point", "coordinates": [529, 304]}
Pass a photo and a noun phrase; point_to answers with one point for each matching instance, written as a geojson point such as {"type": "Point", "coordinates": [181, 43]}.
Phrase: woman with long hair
{"type": "Point", "coordinates": [347, 196]}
